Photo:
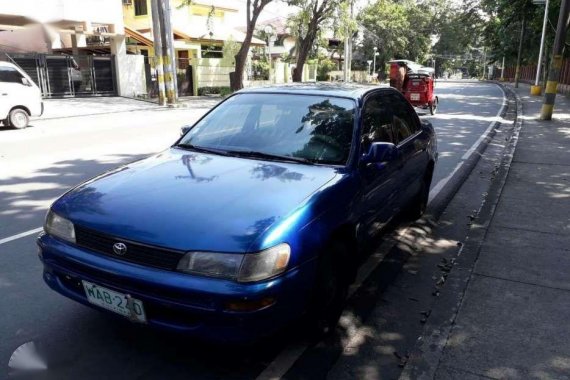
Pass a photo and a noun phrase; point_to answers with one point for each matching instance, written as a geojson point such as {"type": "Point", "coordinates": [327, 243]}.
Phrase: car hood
{"type": "Point", "coordinates": [192, 201]}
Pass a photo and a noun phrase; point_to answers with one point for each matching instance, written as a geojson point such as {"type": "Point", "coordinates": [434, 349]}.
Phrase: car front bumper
{"type": "Point", "coordinates": [193, 305]}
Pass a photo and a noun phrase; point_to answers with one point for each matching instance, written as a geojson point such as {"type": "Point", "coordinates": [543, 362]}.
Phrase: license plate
{"type": "Point", "coordinates": [414, 96]}
{"type": "Point", "coordinates": [114, 301]}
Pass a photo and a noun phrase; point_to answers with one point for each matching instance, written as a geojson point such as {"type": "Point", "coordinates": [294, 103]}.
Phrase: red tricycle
{"type": "Point", "coordinates": [418, 89]}
{"type": "Point", "coordinates": [416, 82]}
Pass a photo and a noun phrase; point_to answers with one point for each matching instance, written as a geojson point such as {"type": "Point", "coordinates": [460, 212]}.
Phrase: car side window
{"type": "Point", "coordinates": [377, 120]}
{"type": "Point", "coordinates": [11, 75]}
{"type": "Point", "coordinates": [404, 121]}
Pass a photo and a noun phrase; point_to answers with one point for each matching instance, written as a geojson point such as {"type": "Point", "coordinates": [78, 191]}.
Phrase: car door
{"type": "Point", "coordinates": [379, 182]}
{"type": "Point", "coordinates": [411, 148]}
{"type": "Point", "coordinates": [4, 89]}
{"type": "Point", "coordinates": [13, 91]}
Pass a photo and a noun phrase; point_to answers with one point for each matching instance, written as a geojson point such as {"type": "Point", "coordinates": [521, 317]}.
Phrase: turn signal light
{"type": "Point", "coordinates": [249, 305]}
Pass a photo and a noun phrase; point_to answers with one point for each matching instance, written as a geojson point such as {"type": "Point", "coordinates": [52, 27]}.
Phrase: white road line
{"type": "Point", "coordinates": [20, 235]}
{"type": "Point", "coordinates": [282, 363]}
{"type": "Point", "coordinates": [441, 184]}
{"type": "Point", "coordinates": [287, 358]}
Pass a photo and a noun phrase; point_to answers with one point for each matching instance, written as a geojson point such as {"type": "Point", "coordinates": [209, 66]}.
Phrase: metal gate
{"type": "Point", "coordinates": [67, 75]}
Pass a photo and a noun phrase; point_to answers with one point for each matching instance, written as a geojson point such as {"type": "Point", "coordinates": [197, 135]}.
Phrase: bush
{"type": "Point", "coordinates": [219, 90]}
{"type": "Point", "coordinates": [260, 70]}
{"type": "Point", "coordinates": [325, 66]}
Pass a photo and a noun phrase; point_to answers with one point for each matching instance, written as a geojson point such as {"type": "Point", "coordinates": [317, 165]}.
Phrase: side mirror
{"type": "Point", "coordinates": [26, 82]}
{"type": "Point", "coordinates": [380, 152]}
{"type": "Point", "coordinates": [426, 124]}
{"type": "Point", "coordinates": [184, 129]}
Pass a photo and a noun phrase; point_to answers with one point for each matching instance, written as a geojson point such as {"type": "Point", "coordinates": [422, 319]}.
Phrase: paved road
{"type": "Point", "coordinates": [39, 163]}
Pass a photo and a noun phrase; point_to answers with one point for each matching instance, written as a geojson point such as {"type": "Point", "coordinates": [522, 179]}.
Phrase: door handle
{"type": "Point", "coordinates": [4, 94]}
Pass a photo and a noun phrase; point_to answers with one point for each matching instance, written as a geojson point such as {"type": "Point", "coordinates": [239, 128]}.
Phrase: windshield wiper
{"type": "Point", "coordinates": [269, 156]}
{"type": "Point", "coordinates": [202, 149]}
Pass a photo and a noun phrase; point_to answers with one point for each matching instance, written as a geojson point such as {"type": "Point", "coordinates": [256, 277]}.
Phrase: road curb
{"type": "Point", "coordinates": [427, 352]}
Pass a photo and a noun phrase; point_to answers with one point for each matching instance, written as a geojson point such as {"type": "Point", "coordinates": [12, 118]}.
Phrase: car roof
{"type": "Point", "coordinates": [345, 90]}
{"type": "Point", "coordinates": [4, 63]}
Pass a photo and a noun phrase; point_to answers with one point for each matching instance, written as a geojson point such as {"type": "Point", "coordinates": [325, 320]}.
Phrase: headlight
{"type": "Point", "coordinates": [60, 227]}
{"type": "Point", "coordinates": [241, 267]}
{"type": "Point", "coordinates": [264, 264]}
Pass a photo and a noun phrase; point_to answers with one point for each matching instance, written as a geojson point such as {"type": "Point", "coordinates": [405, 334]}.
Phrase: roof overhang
{"type": "Point", "coordinates": [140, 38]}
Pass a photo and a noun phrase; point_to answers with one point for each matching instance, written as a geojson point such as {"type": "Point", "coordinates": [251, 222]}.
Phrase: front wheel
{"type": "Point", "coordinates": [330, 291]}
{"type": "Point", "coordinates": [433, 106]}
{"type": "Point", "coordinates": [418, 206]}
{"type": "Point", "coordinates": [18, 118]}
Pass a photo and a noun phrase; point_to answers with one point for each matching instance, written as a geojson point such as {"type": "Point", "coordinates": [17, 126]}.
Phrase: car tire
{"type": "Point", "coordinates": [330, 291]}
{"type": "Point", "coordinates": [18, 118]}
{"type": "Point", "coordinates": [433, 106]}
{"type": "Point", "coordinates": [418, 206]}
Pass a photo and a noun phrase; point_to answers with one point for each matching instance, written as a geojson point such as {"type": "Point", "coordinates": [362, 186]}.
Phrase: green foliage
{"type": "Point", "coordinates": [324, 67]}
{"type": "Point", "coordinates": [230, 50]}
{"type": "Point", "coordinates": [260, 69]}
{"type": "Point", "coordinates": [308, 24]}
{"type": "Point", "coordinates": [214, 90]}
{"type": "Point", "coordinates": [502, 31]}
{"type": "Point", "coordinates": [398, 29]}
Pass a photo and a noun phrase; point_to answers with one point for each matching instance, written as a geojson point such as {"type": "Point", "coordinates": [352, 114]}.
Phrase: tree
{"type": "Point", "coordinates": [254, 8]}
{"type": "Point", "coordinates": [502, 31]}
{"type": "Point", "coordinates": [387, 27]}
{"type": "Point", "coordinates": [310, 18]}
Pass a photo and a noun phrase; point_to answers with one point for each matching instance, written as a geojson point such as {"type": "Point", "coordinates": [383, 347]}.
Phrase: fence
{"type": "Point", "coordinates": [68, 75]}
{"type": "Point", "coordinates": [200, 76]}
{"type": "Point", "coordinates": [528, 75]}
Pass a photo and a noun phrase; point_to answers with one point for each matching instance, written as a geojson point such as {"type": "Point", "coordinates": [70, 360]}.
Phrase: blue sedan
{"type": "Point", "coordinates": [255, 218]}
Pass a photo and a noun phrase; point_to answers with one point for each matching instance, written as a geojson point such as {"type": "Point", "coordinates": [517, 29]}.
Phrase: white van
{"type": "Point", "coordinates": [20, 97]}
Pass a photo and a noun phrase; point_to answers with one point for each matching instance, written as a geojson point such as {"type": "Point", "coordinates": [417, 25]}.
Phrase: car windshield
{"type": "Point", "coordinates": [315, 129]}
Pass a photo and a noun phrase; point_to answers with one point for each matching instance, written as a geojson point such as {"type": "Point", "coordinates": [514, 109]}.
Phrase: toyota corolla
{"type": "Point", "coordinates": [256, 217]}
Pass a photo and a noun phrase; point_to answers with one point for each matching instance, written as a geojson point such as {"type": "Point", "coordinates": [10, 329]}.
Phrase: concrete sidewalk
{"type": "Point", "coordinates": [513, 319]}
{"type": "Point", "coordinates": [75, 107]}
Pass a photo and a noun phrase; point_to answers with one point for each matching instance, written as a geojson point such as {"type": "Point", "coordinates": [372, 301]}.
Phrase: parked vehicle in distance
{"type": "Point", "coordinates": [20, 97]}
{"type": "Point", "coordinates": [257, 216]}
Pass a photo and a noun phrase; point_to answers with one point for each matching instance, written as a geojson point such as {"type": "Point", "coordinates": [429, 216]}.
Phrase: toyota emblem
{"type": "Point", "coordinates": [120, 248]}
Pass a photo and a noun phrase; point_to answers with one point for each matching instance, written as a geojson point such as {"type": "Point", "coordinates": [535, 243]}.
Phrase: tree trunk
{"type": "Point", "coordinates": [304, 48]}
{"type": "Point", "coordinates": [236, 78]}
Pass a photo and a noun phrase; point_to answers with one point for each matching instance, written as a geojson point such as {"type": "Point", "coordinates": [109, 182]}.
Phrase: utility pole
{"type": "Point", "coordinates": [350, 42]}
{"type": "Point", "coordinates": [503, 70]}
{"type": "Point", "coordinates": [156, 33]}
{"type": "Point", "coordinates": [556, 63]}
{"type": "Point", "coordinates": [167, 49]}
{"type": "Point", "coordinates": [536, 89]}
{"type": "Point", "coordinates": [172, 52]}
{"type": "Point", "coordinates": [518, 69]}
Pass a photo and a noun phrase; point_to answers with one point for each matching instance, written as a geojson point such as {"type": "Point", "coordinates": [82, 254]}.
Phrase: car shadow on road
{"type": "Point", "coordinates": [24, 199]}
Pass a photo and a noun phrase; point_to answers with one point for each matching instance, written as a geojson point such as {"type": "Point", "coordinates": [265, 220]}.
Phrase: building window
{"type": "Point", "coordinates": [140, 8]}
{"type": "Point", "coordinates": [212, 51]}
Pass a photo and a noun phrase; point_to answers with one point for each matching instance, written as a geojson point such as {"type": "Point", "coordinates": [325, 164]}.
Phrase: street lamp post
{"type": "Point", "coordinates": [536, 89]}
{"type": "Point", "coordinates": [369, 68]}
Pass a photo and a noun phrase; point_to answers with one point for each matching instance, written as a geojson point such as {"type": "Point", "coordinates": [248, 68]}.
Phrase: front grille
{"type": "Point", "coordinates": [138, 253]}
